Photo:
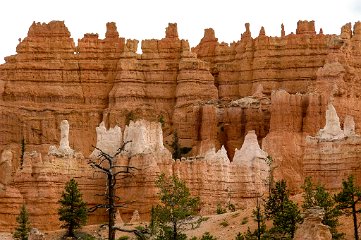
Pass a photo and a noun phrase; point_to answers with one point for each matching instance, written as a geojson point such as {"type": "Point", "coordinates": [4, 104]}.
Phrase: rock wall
{"type": "Point", "coordinates": [41, 179]}
{"type": "Point", "coordinates": [281, 88]}
{"type": "Point", "coordinates": [97, 80]}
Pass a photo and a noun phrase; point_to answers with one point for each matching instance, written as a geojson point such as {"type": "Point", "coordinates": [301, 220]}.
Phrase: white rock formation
{"type": "Point", "coordinates": [250, 151]}
{"type": "Point", "coordinates": [118, 219]}
{"type": "Point", "coordinates": [332, 129]}
{"type": "Point", "coordinates": [252, 160]}
{"type": "Point", "coordinates": [109, 141]}
{"type": "Point", "coordinates": [144, 137]}
{"type": "Point", "coordinates": [349, 126]}
{"type": "Point", "coordinates": [135, 218]}
{"type": "Point", "coordinates": [220, 156]}
{"type": "Point", "coordinates": [64, 148]}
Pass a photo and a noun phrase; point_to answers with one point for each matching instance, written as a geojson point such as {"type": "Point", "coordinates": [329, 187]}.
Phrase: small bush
{"type": "Point", "coordinates": [161, 120]}
{"type": "Point", "coordinates": [82, 236]}
{"type": "Point", "coordinates": [123, 238]}
{"type": "Point", "coordinates": [208, 236]}
{"type": "Point", "coordinates": [239, 236]}
{"type": "Point", "coordinates": [231, 207]}
{"type": "Point", "coordinates": [244, 221]}
{"type": "Point", "coordinates": [224, 223]}
{"type": "Point", "coordinates": [220, 209]}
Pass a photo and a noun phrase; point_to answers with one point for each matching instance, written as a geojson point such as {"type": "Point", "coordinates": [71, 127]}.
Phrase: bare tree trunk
{"type": "Point", "coordinates": [111, 208]}
{"type": "Point", "coordinates": [355, 221]}
{"type": "Point", "coordinates": [175, 234]}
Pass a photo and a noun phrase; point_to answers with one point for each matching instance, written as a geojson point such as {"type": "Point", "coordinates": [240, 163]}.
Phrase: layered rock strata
{"type": "Point", "coordinates": [213, 178]}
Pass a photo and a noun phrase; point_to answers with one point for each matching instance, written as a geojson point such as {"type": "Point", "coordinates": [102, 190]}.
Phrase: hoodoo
{"type": "Point", "coordinates": [293, 98]}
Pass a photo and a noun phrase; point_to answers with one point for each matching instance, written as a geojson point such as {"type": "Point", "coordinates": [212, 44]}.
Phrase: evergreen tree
{"type": "Point", "coordinates": [177, 206]}
{"type": "Point", "coordinates": [318, 196]}
{"type": "Point", "coordinates": [23, 229]}
{"type": "Point", "coordinates": [177, 153]}
{"type": "Point", "coordinates": [259, 217]}
{"type": "Point", "coordinates": [73, 211]}
{"type": "Point", "coordinates": [284, 213]}
{"type": "Point", "coordinates": [348, 199]}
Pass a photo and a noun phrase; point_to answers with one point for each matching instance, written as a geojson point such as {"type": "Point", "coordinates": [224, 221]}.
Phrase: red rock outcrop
{"type": "Point", "coordinates": [213, 95]}
{"type": "Point", "coordinates": [312, 227]}
{"type": "Point", "coordinates": [41, 179]}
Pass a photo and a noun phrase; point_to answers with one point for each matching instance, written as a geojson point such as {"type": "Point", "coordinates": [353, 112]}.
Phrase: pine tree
{"type": "Point", "coordinates": [260, 218]}
{"type": "Point", "coordinates": [177, 206]}
{"type": "Point", "coordinates": [348, 199]}
{"type": "Point", "coordinates": [73, 211]}
{"type": "Point", "coordinates": [23, 229]}
{"type": "Point", "coordinates": [284, 213]}
{"type": "Point", "coordinates": [318, 196]}
{"type": "Point", "coordinates": [177, 154]}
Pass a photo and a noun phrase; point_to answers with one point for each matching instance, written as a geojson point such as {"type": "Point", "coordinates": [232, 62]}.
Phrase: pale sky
{"type": "Point", "coordinates": [146, 19]}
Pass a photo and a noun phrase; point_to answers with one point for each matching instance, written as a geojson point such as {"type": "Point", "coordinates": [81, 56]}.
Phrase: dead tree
{"type": "Point", "coordinates": [106, 164]}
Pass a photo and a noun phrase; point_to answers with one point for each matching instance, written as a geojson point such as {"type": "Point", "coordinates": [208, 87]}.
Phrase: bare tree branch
{"type": "Point", "coordinates": [111, 171]}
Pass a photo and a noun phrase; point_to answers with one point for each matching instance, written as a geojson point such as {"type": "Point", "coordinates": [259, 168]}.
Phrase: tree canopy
{"type": "Point", "coordinates": [73, 210]}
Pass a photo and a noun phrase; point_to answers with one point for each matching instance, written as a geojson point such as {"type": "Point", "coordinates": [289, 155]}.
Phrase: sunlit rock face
{"type": "Point", "coordinates": [332, 129]}
{"type": "Point", "coordinates": [143, 137]}
{"type": "Point", "coordinates": [64, 148]}
{"type": "Point", "coordinates": [312, 227]}
{"type": "Point", "coordinates": [219, 156]}
{"type": "Point", "coordinates": [333, 154]}
{"type": "Point", "coordinates": [213, 95]}
{"type": "Point", "coordinates": [108, 140]}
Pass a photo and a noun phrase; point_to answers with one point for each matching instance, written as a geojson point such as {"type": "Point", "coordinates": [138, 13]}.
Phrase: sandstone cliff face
{"type": "Point", "coordinates": [213, 95]}
{"type": "Point", "coordinates": [106, 80]}
{"type": "Point", "coordinates": [213, 178]}
{"type": "Point", "coordinates": [312, 227]}
{"type": "Point", "coordinates": [275, 62]}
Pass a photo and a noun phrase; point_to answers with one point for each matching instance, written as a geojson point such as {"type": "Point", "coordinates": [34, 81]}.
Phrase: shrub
{"type": "Point", "coordinates": [220, 209]}
{"type": "Point", "coordinates": [224, 223]}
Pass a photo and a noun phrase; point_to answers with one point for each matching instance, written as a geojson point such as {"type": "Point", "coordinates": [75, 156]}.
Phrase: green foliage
{"type": "Point", "coordinates": [244, 221]}
{"type": "Point", "coordinates": [224, 223]}
{"type": "Point", "coordinates": [129, 117]}
{"type": "Point", "coordinates": [23, 229]}
{"type": "Point", "coordinates": [348, 199]}
{"type": "Point", "coordinates": [177, 206]}
{"type": "Point", "coordinates": [72, 211]}
{"type": "Point", "coordinates": [260, 219]}
{"type": "Point", "coordinates": [208, 236]}
{"type": "Point", "coordinates": [84, 236]}
{"type": "Point", "coordinates": [22, 153]}
{"type": "Point", "coordinates": [318, 196]}
{"type": "Point", "coordinates": [177, 153]}
{"type": "Point", "coordinates": [161, 120]}
{"type": "Point", "coordinates": [220, 209]}
{"type": "Point", "coordinates": [239, 236]}
{"type": "Point", "coordinates": [231, 207]}
{"type": "Point", "coordinates": [123, 238]}
{"type": "Point", "coordinates": [284, 213]}
{"type": "Point", "coordinates": [269, 162]}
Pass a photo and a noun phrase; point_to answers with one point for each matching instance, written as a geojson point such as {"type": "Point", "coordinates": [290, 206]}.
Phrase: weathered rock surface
{"type": "Point", "coordinates": [108, 140]}
{"type": "Point", "coordinates": [213, 178]}
{"type": "Point", "coordinates": [212, 95]}
{"type": "Point", "coordinates": [312, 227]}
